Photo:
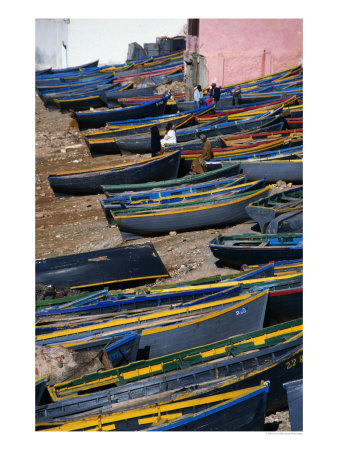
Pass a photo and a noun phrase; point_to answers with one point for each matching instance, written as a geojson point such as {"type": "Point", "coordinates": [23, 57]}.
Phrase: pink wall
{"type": "Point", "coordinates": [234, 48]}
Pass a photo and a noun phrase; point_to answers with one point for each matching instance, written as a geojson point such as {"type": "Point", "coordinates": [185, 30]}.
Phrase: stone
{"type": "Point", "coordinates": [289, 185]}
{"type": "Point", "coordinates": [63, 150]}
{"type": "Point", "coordinates": [172, 233]}
{"type": "Point", "coordinates": [39, 215]}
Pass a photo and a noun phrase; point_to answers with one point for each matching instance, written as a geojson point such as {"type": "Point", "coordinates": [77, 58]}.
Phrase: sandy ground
{"type": "Point", "coordinates": [78, 224]}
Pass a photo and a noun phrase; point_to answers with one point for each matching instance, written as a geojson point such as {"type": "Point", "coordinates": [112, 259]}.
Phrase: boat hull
{"type": "Point", "coordinates": [160, 168]}
{"type": "Point", "coordinates": [100, 119]}
{"type": "Point", "coordinates": [220, 213]}
{"type": "Point", "coordinates": [101, 267]}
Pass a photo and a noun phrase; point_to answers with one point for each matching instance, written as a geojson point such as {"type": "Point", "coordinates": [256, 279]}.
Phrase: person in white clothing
{"type": "Point", "coordinates": [198, 96]}
{"type": "Point", "coordinates": [170, 135]}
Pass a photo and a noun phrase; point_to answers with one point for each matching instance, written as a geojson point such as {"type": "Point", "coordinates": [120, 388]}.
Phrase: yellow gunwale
{"type": "Point", "coordinates": [195, 194]}
{"type": "Point", "coordinates": [192, 209]}
{"type": "Point", "coordinates": [229, 283]}
{"type": "Point", "coordinates": [119, 281]}
{"type": "Point", "coordinates": [155, 410]}
{"type": "Point", "coordinates": [67, 392]}
{"type": "Point", "coordinates": [280, 161]}
{"type": "Point", "coordinates": [86, 98]}
{"type": "Point", "coordinates": [112, 139]}
{"type": "Point", "coordinates": [118, 166]}
{"type": "Point", "coordinates": [147, 317]}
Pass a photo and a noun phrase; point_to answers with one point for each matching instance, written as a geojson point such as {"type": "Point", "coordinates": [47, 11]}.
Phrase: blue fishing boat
{"type": "Point", "coordinates": [244, 412]}
{"type": "Point", "coordinates": [245, 366]}
{"type": "Point", "coordinates": [101, 267]}
{"type": "Point", "coordinates": [100, 118]}
{"type": "Point", "coordinates": [192, 215]}
{"type": "Point", "coordinates": [223, 172]}
{"type": "Point", "coordinates": [288, 170]}
{"type": "Point", "coordinates": [265, 210]}
{"type": "Point", "coordinates": [110, 98]}
{"type": "Point", "coordinates": [226, 190]}
{"type": "Point", "coordinates": [256, 249]}
{"type": "Point", "coordinates": [164, 167]}
{"type": "Point", "coordinates": [85, 101]}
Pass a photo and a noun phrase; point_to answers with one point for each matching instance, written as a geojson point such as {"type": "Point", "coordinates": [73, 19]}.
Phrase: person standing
{"type": "Point", "coordinates": [215, 92]}
{"type": "Point", "coordinates": [198, 165]}
{"type": "Point", "coordinates": [73, 122]}
{"type": "Point", "coordinates": [198, 96]}
{"type": "Point", "coordinates": [236, 95]}
{"type": "Point", "coordinates": [155, 140]}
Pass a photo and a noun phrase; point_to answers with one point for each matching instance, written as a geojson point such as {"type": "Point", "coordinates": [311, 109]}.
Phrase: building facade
{"type": "Point", "coordinates": [240, 49]}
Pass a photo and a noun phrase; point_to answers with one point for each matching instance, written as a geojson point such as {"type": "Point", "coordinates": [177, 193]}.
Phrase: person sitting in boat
{"type": "Point", "coordinates": [198, 165]}
{"type": "Point", "coordinates": [169, 136]}
{"type": "Point", "coordinates": [155, 140]}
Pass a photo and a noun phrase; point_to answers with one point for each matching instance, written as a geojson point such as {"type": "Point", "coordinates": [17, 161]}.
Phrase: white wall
{"type": "Point", "coordinates": [49, 34]}
{"type": "Point", "coordinates": [108, 39]}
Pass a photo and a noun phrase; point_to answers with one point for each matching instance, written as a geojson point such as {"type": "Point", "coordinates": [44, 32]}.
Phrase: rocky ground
{"type": "Point", "coordinates": [78, 224]}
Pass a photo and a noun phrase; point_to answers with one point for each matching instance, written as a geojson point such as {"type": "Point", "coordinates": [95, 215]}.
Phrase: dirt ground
{"type": "Point", "coordinates": [78, 224]}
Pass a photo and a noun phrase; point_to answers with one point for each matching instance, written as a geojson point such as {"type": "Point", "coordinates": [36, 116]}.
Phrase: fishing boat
{"type": "Point", "coordinates": [89, 89]}
{"type": "Point", "coordinates": [162, 196]}
{"type": "Point", "coordinates": [246, 359]}
{"type": "Point", "coordinates": [252, 272]}
{"type": "Point", "coordinates": [100, 118]}
{"type": "Point", "coordinates": [169, 331]}
{"type": "Point", "coordinates": [79, 182]}
{"type": "Point", "coordinates": [80, 102]}
{"type": "Point", "coordinates": [265, 210]}
{"type": "Point", "coordinates": [110, 206]}
{"type": "Point", "coordinates": [290, 222]}
{"type": "Point", "coordinates": [192, 215]}
{"type": "Point", "coordinates": [157, 194]}
{"type": "Point", "coordinates": [76, 68]}
{"type": "Point", "coordinates": [142, 143]}
{"type": "Point", "coordinates": [294, 391]}
{"type": "Point", "coordinates": [102, 267]}
{"type": "Point", "coordinates": [242, 410]}
{"type": "Point", "coordinates": [268, 150]}
{"type": "Point", "coordinates": [245, 413]}
{"type": "Point", "coordinates": [52, 86]}
{"type": "Point", "coordinates": [285, 301]}
{"type": "Point", "coordinates": [257, 249]}
{"type": "Point", "coordinates": [288, 170]}
{"type": "Point", "coordinates": [225, 171]}
{"type": "Point", "coordinates": [108, 142]}
{"type": "Point", "coordinates": [110, 98]}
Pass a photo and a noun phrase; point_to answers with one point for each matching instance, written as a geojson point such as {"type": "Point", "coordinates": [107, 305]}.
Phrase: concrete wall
{"type": "Point", "coordinates": [240, 49]}
{"type": "Point", "coordinates": [49, 51]}
{"type": "Point", "coordinates": [91, 39]}
{"type": "Point", "coordinates": [108, 39]}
